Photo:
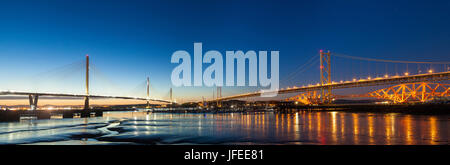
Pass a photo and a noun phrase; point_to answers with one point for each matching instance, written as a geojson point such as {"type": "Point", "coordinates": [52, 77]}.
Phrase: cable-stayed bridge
{"type": "Point", "coordinates": [34, 96]}
{"type": "Point", "coordinates": [422, 86]}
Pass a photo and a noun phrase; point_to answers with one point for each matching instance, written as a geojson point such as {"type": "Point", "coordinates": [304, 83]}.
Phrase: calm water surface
{"type": "Point", "coordinates": [232, 128]}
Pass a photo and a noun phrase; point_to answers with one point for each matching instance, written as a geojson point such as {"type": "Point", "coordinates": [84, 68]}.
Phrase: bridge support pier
{"type": "Point", "coordinates": [33, 101]}
{"type": "Point", "coordinates": [148, 92]}
{"type": "Point", "coordinates": [86, 103]}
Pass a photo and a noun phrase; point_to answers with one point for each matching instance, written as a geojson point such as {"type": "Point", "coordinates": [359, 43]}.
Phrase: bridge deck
{"type": "Point", "coordinates": [358, 83]}
{"type": "Point", "coordinates": [79, 95]}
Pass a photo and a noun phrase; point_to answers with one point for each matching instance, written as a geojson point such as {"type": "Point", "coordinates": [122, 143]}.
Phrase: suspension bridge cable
{"type": "Point", "coordinates": [139, 89]}
{"type": "Point", "coordinates": [299, 70]}
{"type": "Point", "coordinates": [106, 83]}
{"type": "Point", "coordinates": [390, 61]}
{"type": "Point", "coordinates": [54, 76]}
{"type": "Point", "coordinates": [300, 67]}
{"type": "Point", "coordinates": [289, 80]}
{"type": "Point", "coordinates": [60, 71]}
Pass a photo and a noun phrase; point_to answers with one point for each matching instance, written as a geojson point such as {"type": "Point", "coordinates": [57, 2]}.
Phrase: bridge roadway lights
{"type": "Point", "coordinates": [435, 77]}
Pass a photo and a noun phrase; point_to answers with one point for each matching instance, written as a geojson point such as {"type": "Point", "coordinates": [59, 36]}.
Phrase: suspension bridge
{"type": "Point", "coordinates": [425, 85]}
{"type": "Point", "coordinates": [34, 96]}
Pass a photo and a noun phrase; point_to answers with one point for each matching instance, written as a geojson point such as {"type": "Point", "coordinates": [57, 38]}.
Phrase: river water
{"type": "Point", "coordinates": [311, 128]}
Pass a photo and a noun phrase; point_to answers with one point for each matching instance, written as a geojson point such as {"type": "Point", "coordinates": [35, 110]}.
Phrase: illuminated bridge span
{"type": "Point", "coordinates": [412, 91]}
{"type": "Point", "coordinates": [357, 83]}
{"type": "Point", "coordinates": [34, 96]}
{"type": "Point", "coordinates": [81, 96]}
{"type": "Point", "coordinates": [406, 86]}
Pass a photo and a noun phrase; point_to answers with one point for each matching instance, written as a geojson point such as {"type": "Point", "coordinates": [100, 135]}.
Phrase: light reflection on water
{"type": "Point", "coordinates": [232, 128]}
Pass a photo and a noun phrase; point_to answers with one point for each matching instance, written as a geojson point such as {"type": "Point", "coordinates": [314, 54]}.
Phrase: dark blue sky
{"type": "Point", "coordinates": [129, 40]}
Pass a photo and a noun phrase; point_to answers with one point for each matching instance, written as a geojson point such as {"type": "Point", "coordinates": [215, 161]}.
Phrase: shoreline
{"type": "Point", "coordinates": [417, 109]}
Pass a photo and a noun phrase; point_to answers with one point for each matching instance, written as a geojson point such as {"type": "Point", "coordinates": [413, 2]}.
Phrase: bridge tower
{"type": "Point", "coordinates": [86, 99]}
{"type": "Point", "coordinates": [325, 76]}
{"type": "Point", "coordinates": [148, 92]}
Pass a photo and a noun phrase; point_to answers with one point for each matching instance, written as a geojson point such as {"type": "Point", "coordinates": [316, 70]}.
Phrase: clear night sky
{"type": "Point", "coordinates": [129, 40]}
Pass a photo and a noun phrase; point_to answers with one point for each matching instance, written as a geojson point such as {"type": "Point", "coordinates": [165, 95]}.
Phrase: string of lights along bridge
{"type": "Point", "coordinates": [403, 81]}
{"type": "Point", "coordinates": [34, 96]}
